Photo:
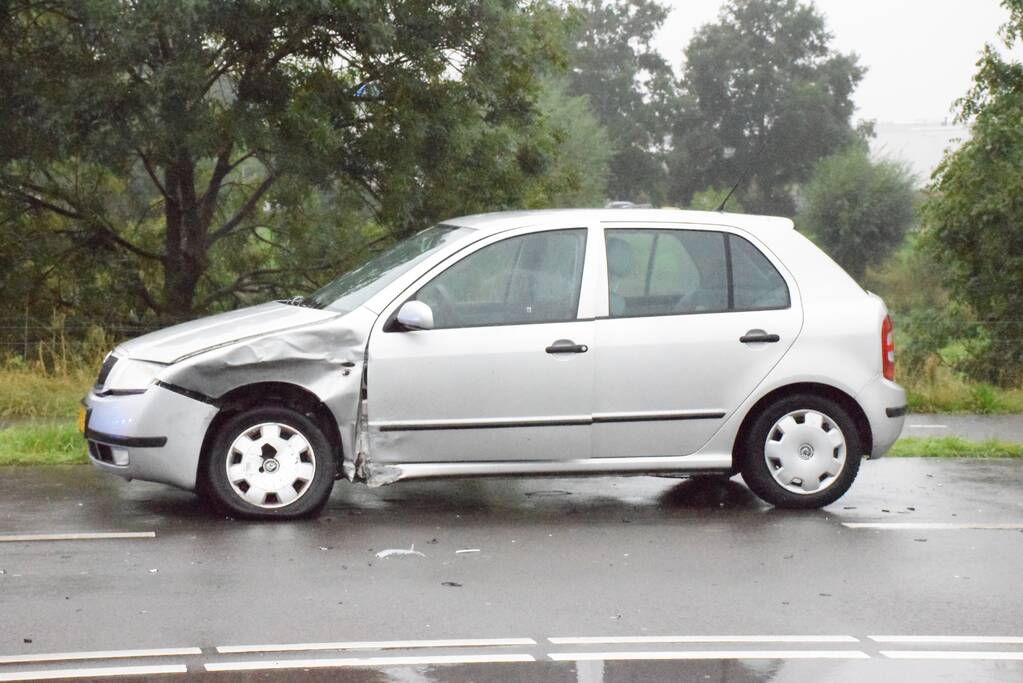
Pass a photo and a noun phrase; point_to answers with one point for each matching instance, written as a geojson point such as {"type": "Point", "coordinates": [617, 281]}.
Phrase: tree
{"type": "Point", "coordinates": [764, 97]}
{"type": "Point", "coordinates": [859, 210]}
{"type": "Point", "coordinates": [168, 135]}
{"type": "Point", "coordinates": [578, 171]}
{"type": "Point", "coordinates": [974, 215]}
{"type": "Point", "coordinates": [630, 87]}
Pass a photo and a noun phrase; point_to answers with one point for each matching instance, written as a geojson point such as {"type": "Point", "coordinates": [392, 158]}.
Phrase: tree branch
{"type": "Point", "coordinates": [91, 220]}
{"type": "Point", "coordinates": [243, 211]}
{"type": "Point", "coordinates": [152, 174]}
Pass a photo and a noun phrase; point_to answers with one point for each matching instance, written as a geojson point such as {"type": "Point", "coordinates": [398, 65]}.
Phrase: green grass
{"type": "Point", "coordinates": [56, 443]}
{"type": "Point", "coordinates": [28, 394]}
{"type": "Point", "coordinates": [943, 391]}
{"type": "Point", "coordinates": [954, 447]}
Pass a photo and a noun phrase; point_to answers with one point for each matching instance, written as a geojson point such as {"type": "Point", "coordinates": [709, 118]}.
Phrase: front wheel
{"type": "Point", "coordinates": [270, 463]}
{"type": "Point", "coordinates": [801, 452]}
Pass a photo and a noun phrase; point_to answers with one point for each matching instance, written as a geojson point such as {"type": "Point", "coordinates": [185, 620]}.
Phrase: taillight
{"type": "Point", "coordinates": [887, 349]}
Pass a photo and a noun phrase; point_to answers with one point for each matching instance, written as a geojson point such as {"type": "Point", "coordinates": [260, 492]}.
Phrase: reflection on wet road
{"type": "Point", "coordinates": [544, 579]}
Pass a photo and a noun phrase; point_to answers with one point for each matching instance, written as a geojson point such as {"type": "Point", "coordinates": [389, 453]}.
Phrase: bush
{"type": "Point", "coordinates": [857, 209]}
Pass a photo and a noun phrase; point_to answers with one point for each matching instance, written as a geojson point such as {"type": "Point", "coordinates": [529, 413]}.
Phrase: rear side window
{"type": "Point", "coordinates": [531, 278]}
{"type": "Point", "coordinates": [757, 284]}
{"type": "Point", "coordinates": [674, 272]}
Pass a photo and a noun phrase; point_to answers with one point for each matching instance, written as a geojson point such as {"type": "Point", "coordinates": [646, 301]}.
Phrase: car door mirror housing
{"type": "Point", "coordinates": [415, 315]}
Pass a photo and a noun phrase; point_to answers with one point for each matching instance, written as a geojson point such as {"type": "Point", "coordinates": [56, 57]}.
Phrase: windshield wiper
{"type": "Point", "coordinates": [299, 301]}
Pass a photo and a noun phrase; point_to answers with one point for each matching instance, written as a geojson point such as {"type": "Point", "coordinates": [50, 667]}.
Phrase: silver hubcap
{"type": "Point", "coordinates": [271, 465]}
{"type": "Point", "coordinates": [805, 451]}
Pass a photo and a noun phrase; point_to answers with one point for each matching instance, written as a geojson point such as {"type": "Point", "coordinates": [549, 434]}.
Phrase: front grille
{"type": "Point", "coordinates": [104, 370]}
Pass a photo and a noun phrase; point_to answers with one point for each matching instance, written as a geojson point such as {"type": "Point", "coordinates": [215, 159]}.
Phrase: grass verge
{"type": "Point", "coordinates": [57, 443]}
{"type": "Point", "coordinates": [27, 394]}
{"type": "Point", "coordinates": [954, 447]}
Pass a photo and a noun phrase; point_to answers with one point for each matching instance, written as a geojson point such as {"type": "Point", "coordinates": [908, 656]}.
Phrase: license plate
{"type": "Point", "coordinates": [81, 419]}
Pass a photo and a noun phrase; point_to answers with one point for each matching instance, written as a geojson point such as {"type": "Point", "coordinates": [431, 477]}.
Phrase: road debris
{"type": "Point", "coordinates": [400, 551]}
{"type": "Point", "coordinates": [462, 551]}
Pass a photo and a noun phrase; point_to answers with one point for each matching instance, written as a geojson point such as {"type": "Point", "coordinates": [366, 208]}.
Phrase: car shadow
{"type": "Point", "coordinates": [710, 493]}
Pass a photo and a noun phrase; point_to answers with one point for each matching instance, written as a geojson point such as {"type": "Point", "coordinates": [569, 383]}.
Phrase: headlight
{"type": "Point", "coordinates": [129, 375]}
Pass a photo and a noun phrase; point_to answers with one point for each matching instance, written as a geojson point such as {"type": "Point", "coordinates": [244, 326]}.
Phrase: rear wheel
{"type": "Point", "coordinates": [802, 451]}
{"type": "Point", "coordinates": [270, 463]}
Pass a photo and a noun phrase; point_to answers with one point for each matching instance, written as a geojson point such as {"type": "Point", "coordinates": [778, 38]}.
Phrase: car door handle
{"type": "Point", "coordinates": [759, 337]}
{"type": "Point", "coordinates": [567, 346]}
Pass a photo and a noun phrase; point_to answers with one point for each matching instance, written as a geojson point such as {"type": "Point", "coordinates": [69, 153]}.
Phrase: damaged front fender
{"type": "Point", "coordinates": [326, 358]}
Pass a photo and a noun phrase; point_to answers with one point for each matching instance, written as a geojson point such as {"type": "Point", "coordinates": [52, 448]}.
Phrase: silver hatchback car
{"type": "Point", "coordinates": [624, 341]}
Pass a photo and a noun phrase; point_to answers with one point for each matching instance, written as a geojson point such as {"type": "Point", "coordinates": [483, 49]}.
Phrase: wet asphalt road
{"type": "Point", "coordinates": [619, 558]}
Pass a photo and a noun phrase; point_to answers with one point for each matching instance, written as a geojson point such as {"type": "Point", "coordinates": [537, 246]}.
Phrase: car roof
{"type": "Point", "coordinates": [505, 220]}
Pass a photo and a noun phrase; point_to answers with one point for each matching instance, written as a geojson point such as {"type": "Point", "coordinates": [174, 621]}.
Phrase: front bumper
{"type": "Point", "coordinates": [884, 403]}
{"type": "Point", "coordinates": [153, 436]}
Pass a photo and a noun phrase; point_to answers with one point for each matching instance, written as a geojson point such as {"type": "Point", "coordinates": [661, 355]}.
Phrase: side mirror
{"type": "Point", "coordinates": [415, 315]}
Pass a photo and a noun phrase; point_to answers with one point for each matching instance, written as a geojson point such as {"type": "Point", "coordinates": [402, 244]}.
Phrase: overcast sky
{"type": "Point", "coordinates": [920, 54]}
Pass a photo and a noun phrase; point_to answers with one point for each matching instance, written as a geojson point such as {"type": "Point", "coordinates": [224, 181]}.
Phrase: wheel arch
{"type": "Point", "coordinates": [270, 394]}
{"type": "Point", "coordinates": [848, 403]}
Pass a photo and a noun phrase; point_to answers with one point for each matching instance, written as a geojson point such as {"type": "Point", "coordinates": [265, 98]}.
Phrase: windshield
{"type": "Point", "coordinates": [355, 287]}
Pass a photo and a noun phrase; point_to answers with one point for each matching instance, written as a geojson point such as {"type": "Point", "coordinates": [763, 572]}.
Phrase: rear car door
{"type": "Point", "coordinates": [507, 371]}
{"type": "Point", "coordinates": [696, 318]}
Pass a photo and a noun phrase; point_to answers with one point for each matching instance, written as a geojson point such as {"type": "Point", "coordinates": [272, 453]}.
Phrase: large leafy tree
{"type": "Point", "coordinates": [765, 97]}
{"type": "Point", "coordinates": [630, 87]}
{"type": "Point", "coordinates": [169, 137]}
{"type": "Point", "coordinates": [857, 208]}
{"type": "Point", "coordinates": [974, 216]}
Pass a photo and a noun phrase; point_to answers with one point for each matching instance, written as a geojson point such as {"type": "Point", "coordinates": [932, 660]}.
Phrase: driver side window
{"type": "Point", "coordinates": [532, 278]}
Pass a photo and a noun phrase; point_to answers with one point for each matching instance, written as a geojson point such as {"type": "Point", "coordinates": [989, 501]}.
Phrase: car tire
{"type": "Point", "coordinates": [801, 452]}
{"type": "Point", "coordinates": [270, 463]}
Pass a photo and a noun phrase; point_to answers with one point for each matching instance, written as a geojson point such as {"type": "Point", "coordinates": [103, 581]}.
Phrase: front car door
{"type": "Point", "coordinates": [696, 318]}
{"type": "Point", "coordinates": [506, 374]}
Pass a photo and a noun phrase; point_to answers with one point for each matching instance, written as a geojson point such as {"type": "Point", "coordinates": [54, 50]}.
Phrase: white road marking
{"type": "Point", "coordinates": [622, 640]}
{"type": "Point", "coordinates": [929, 526]}
{"type": "Point", "coordinates": [100, 654]}
{"type": "Point", "coordinates": [377, 645]}
{"type": "Point", "coordinates": [962, 640]}
{"type": "Point", "coordinates": [710, 654]}
{"type": "Point", "coordinates": [951, 654]}
{"type": "Point", "coordinates": [369, 662]}
{"type": "Point", "coordinates": [98, 672]}
{"type": "Point", "coordinates": [77, 536]}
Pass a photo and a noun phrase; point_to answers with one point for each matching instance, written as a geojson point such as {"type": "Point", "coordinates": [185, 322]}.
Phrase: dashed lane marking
{"type": "Point", "coordinates": [98, 672]}
{"type": "Point", "coordinates": [709, 654]}
{"type": "Point", "coordinates": [930, 526]}
{"type": "Point", "coordinates": [632, 640]}
{"type": "Point", "coordinates": [954, 640]}
{"type": "Point", "coordinates": [952, 654]}
{"type": "Point", "coordinates": [378, 645]}
{"type": "Point", "coordinates": [99, 654]}
{"type": "Point", "coordinates": [370, 662]}
{"type": "Point", "coordinates": [77, 536]}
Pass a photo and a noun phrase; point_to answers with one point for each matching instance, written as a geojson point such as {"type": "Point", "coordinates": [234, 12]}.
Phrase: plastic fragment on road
{"type": "Point", "coordinates": [467, 550]}
{"type": "Point", "coordinates": [411, 550]}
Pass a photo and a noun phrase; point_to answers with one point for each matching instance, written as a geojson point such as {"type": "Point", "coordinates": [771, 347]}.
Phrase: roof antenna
{"type": "Point", "coordinates": [728, 153]}
{"type": "Point", "coordinates": [721, 209]}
